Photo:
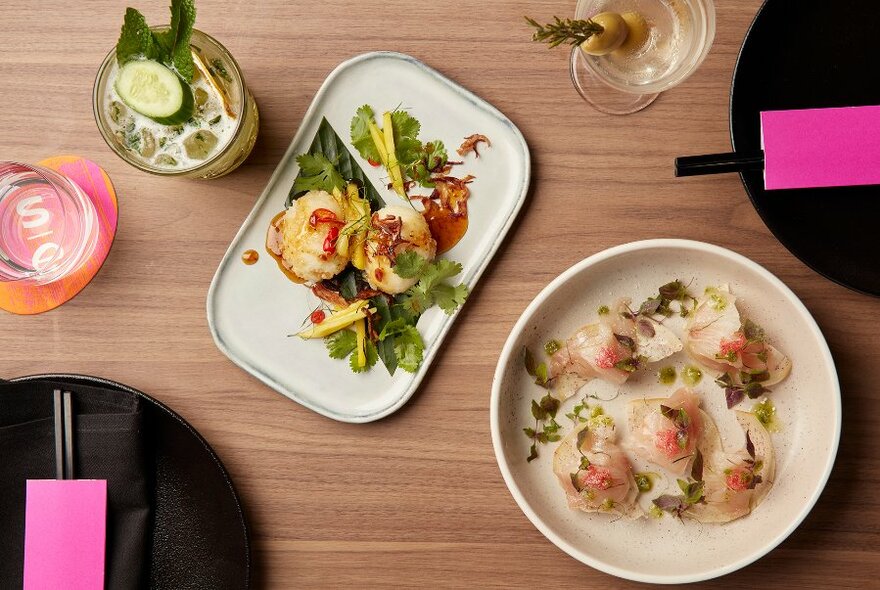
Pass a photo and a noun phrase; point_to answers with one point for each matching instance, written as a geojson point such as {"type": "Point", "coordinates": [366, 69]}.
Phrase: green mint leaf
{"type": "Point", "coordinates": [174, 43]}
{"type": "Point", "coordinates": [530, 432]}
{"type": "Point", "coordinates": [316, 173]}
{"type": "Point", "coordinates": [538, 412]}
{"type": "Point", "coordinates": [360, 134]}
{"type": "Point", "coordinates": [135, 38]}
{"type": "Point", "coordinates": [529, 361]}
{"type": "Point", "coordinates": [341, 344]}
{"type": "Point", "coordinates": [410, 265]}
{"type": "Point", "coordinates": [372, 357]}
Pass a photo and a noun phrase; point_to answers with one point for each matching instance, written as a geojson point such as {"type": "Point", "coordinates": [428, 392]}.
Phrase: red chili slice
{"type": "Point", "coordinates": [318, 316]}
{"type": "Point", "coordinates": [324, 216]}
{"type": "Point", "coordinates": [373, 163]}
{"type": "Point", "coordinates": [330, 240]}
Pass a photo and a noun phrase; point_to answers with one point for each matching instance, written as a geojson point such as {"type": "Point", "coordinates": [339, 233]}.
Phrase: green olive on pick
{"type": "Point", "coordinates": [613, 35]}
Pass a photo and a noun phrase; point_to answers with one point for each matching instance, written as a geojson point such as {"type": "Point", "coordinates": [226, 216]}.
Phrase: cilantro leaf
{"type": "Point", "coordinates": [408, 344]}
{"type": "Point", "coordinates": [372, 357]}
{"type": "Point", "coordinates": [438, 271]}
{"type": "Point", "coordinates": [406, 137]}
{"type": "Point", "coordinates": [175, 41]}
{"type": "Point", "coordinates": [341, 344]}
{"type": "Point", "coordinates": [410, 265]}
{"type": "Point", "coordinates": [431, 158]}
{"type": "Point", "coordinates": [360, 134]}
{"type": "Point", "coordinates": [449, 298]}
{"type": "Point", "coordinates": [135, 38]}
{"type": "Point", "coordinates": [316, 173]}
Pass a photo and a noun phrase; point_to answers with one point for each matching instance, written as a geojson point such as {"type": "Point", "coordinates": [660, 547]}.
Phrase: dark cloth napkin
{"type": "Point", "coordinates": [109, 444]}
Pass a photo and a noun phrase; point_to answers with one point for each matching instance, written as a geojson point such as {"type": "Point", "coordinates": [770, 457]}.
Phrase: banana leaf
{"type": "Point", "coordinates": [328, 143]}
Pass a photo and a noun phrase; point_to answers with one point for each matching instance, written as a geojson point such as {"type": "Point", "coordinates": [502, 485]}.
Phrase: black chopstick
{"type": "Point", "coordinates": [59, 437]}
{"type": "Point", "coordinates": [68, 437]}
{"type": "Point", "coordinates": [719, 163]}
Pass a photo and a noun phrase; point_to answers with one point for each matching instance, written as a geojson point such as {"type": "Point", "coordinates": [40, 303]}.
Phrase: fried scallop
{"type": "Point", "coordinates": [307, 245]}
{"type": "Point", "coordinates": [394, 230]}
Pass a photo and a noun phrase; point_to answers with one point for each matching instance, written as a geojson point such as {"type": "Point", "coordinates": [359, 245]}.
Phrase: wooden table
{"type": "Point", "coordinates": [415, 499]}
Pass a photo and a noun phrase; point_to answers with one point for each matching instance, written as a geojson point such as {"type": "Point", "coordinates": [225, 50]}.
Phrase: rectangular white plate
{"type": "Point", "coordinates": [252, 309]}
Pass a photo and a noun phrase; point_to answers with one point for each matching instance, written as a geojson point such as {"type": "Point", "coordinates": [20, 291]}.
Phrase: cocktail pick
{"type": "Point", "coordinates": [65, 519]}
{"type": "Point", "coordinates": [808, 148]}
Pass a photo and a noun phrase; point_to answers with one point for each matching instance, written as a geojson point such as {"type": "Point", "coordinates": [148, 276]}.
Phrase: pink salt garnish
{"type": "Point", "coordinates": [739, 479]}
{"type": "Point", "coordinates": [667, 441]}
{"type": "Point", "coordinates": [596, 478]}
{"type": "Point", "coordinates": [735, 344]}
{"type": "Point", "coordinates": [607, 358]}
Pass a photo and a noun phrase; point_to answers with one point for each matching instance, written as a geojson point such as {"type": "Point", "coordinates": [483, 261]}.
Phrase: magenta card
{"type": "Point", "coordinates": [821, 147]}
{"type": "Point", "coordinates": [64, 534]}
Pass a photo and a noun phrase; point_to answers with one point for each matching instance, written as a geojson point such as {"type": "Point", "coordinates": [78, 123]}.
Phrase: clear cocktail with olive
{"type": "Point", "coordinates": [625, 52]}
{"type": "Point", "coordinates": [171, 100]}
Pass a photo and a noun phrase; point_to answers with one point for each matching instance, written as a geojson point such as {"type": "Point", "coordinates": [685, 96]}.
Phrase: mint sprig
{"type": "Point", "coordinates": [171, 47]}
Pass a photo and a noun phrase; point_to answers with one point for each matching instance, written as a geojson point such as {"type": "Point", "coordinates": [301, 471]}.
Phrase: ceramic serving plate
{"type": "Point", "coordinates": [668, 550]}
{"type": "Point", "coordinates": [253, 309]}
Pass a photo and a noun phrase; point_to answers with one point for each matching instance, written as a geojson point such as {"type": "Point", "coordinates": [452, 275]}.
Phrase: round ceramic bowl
{"type": "Point", "coordinates": [668, 550]}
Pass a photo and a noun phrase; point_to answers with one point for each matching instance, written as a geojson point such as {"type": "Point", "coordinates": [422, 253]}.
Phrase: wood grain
{"type": "Point", "coordinates": [415, 500]}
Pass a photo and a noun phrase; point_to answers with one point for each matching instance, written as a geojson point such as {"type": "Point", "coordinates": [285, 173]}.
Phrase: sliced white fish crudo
{"type": "Point", "coordinates": [668, 431]}
{"type": "Point", "coordinates": [595, 472]}
{"type": "Point", "coordinates": [736, 483]}
{"type": "Point", "coordinates": [718, 338]}
{"type": "Point", "coordinates": [612, 349]}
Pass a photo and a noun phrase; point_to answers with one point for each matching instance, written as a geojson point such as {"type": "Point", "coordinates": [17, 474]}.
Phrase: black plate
{"type": "Point", "coordinates": [806, 54]}
{"type": "Point", "coordinates": [200, 538]}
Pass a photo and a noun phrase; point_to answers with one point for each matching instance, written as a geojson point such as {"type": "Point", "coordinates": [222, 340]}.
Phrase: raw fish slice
{"type": "Point", "coordinates": [664, 343]}
{"type": "Point", "coordinates": [662, 441]}
{"type": "Point", "coordinates": [713, 326]}
{"type": "Point", "coordinates": [592, 352]}
{"type": "Point", "coordinates": [607, 484]}
{"type": "Point", "coordinates": [731, 491]}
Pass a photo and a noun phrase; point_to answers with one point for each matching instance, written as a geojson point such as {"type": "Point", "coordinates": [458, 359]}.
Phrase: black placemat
{"type": "Point", "coordinates": [809, 54]}
{"type": "Point", "coordinates": [192, 526]}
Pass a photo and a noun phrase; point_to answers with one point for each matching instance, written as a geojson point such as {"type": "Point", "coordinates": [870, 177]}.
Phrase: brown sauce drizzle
{"type": "Point", "coordinates": [447, 227]}
{"type": "Point", "coordinates": [273, 226]}
{"type": "Point", "coordinates": [250, 257]}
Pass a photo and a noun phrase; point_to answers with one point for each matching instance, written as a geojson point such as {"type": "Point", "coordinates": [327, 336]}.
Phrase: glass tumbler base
{"type": "Point", "coordinates": [599, 95]}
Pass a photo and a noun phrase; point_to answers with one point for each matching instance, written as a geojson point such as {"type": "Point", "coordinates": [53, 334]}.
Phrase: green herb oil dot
{"type": "Point", "coordinates": [765, 412]}
{"type": "Point", "coordinates": [603, 310]}
{"type": "Point", "coordinates": [691, 375]}
{"type": "Point", "coordinates": [552, 346]}
{"type": "Point", "coordinates": [666, 375]}
{"type": "Point", "coordinates": [643, 481]}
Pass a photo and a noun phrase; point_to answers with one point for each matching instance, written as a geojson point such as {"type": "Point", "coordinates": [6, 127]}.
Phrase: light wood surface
{"type": "Point", "coordinates": [415, 499]}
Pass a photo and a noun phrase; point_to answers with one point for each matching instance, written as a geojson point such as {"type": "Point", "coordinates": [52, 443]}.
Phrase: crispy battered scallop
{"type": "Point", "coordinates": [302, 246]}
{"type": "Point", "coordinates": [396, 229]}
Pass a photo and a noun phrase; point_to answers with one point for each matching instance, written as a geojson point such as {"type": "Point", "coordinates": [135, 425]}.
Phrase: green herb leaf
{"type": "Point", "coordinates": [360, 134]}
{"type": "Point", "coordinates": [175, 41]}
{"type": "Point", "coordinates": [529, 361]}
{"type": "Point", "coordinates": [538, 412]}
{"type": "Point", "coordinates": [752, 331]}
{"type": "Point", "coordinates": [406, 137]}
{"type": "Point", "coordinates": [384, 315]}
{"type": "Point", "coordinates": [341, 344]}
{"type": "Point", "coordinates": [550, 405]}
{"type": "Point", "coordinates": [328, 143]}
{"type": "Point", "coordinates": [409, 348]}
{"type": "Point", "coordinates": [135, 39]}
{"type": "Point", "coordinates": [316, 172]}
{"type": "Point", "coordinates": [533, 453]}
{"type": "Point", "coordinates": [372, 356]}
{"type": "Point", "coordinates": [530, 432]}
{"type": "Point", "coordinates": [541, 375]}
{"type": "Point", "coordinates": [431, 159]}
{"type": "Point", "coordinates": [410, 265]}
{"type": "Point", "coordinates": [432, 290]}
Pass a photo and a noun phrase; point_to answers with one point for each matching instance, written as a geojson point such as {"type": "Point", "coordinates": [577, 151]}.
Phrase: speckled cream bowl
{"type": "Point", "coordinates": [668, 551]}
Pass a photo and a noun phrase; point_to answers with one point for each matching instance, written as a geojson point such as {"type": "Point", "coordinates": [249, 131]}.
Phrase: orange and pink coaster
{"type": "Point", "coordinates": [32, 296]}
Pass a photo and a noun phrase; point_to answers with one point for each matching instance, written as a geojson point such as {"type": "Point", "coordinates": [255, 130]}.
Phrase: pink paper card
{"type": "Point", "coordinates": [821, 147]}
{"type": "Point", "coordinates": [64, 534]}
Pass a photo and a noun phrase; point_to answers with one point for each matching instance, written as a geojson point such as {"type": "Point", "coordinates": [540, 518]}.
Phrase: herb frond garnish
{"type": "Point", "coordinates": [693, 491]}
{"type": "Point", "coordinates": [748, 385]}
{"type": "Point", "coordinates": [537, 370]}
{"type": "Point", "coordinates": [546, 428]}
{"type": "Point", "coordinates": [171, 47]}
{"type": "Point", "coordinates": [317, 173]}
{"type": "Point", "coordinates": [573, 32]}
{"type": "Point", "coordinates": [432, 287]}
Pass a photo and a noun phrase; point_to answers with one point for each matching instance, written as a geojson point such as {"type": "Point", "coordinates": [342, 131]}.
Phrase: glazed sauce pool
{"type": "Point", "coordinates": [250, 257]}
{"type": "Point", "coordinates": [446, 226]}
{"type": "Point", "coordinates": [278, 260]}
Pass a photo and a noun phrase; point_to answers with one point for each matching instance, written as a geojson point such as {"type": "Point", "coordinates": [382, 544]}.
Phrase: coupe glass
{"type": "Point", "coordinates": [680, 33]}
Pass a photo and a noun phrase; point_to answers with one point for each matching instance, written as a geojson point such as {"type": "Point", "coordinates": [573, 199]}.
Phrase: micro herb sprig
{"type": "Point", "coordinates": [546, 428]}
{"type": "Point", "coordinates": [573, 32]}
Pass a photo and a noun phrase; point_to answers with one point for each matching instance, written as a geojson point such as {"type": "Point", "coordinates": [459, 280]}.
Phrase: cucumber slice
{"type": "Point", "coordinates": [155, 91]}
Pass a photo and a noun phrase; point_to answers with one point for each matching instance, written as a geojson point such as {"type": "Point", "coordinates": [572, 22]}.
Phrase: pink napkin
{"type": "Point", "coordinates": [65, 528]}
{"type": "Point", "coordinates": [821, 147]}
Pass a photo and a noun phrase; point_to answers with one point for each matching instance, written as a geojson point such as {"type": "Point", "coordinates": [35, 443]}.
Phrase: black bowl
{"type": "Point", "coordinates": [808, 54]}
